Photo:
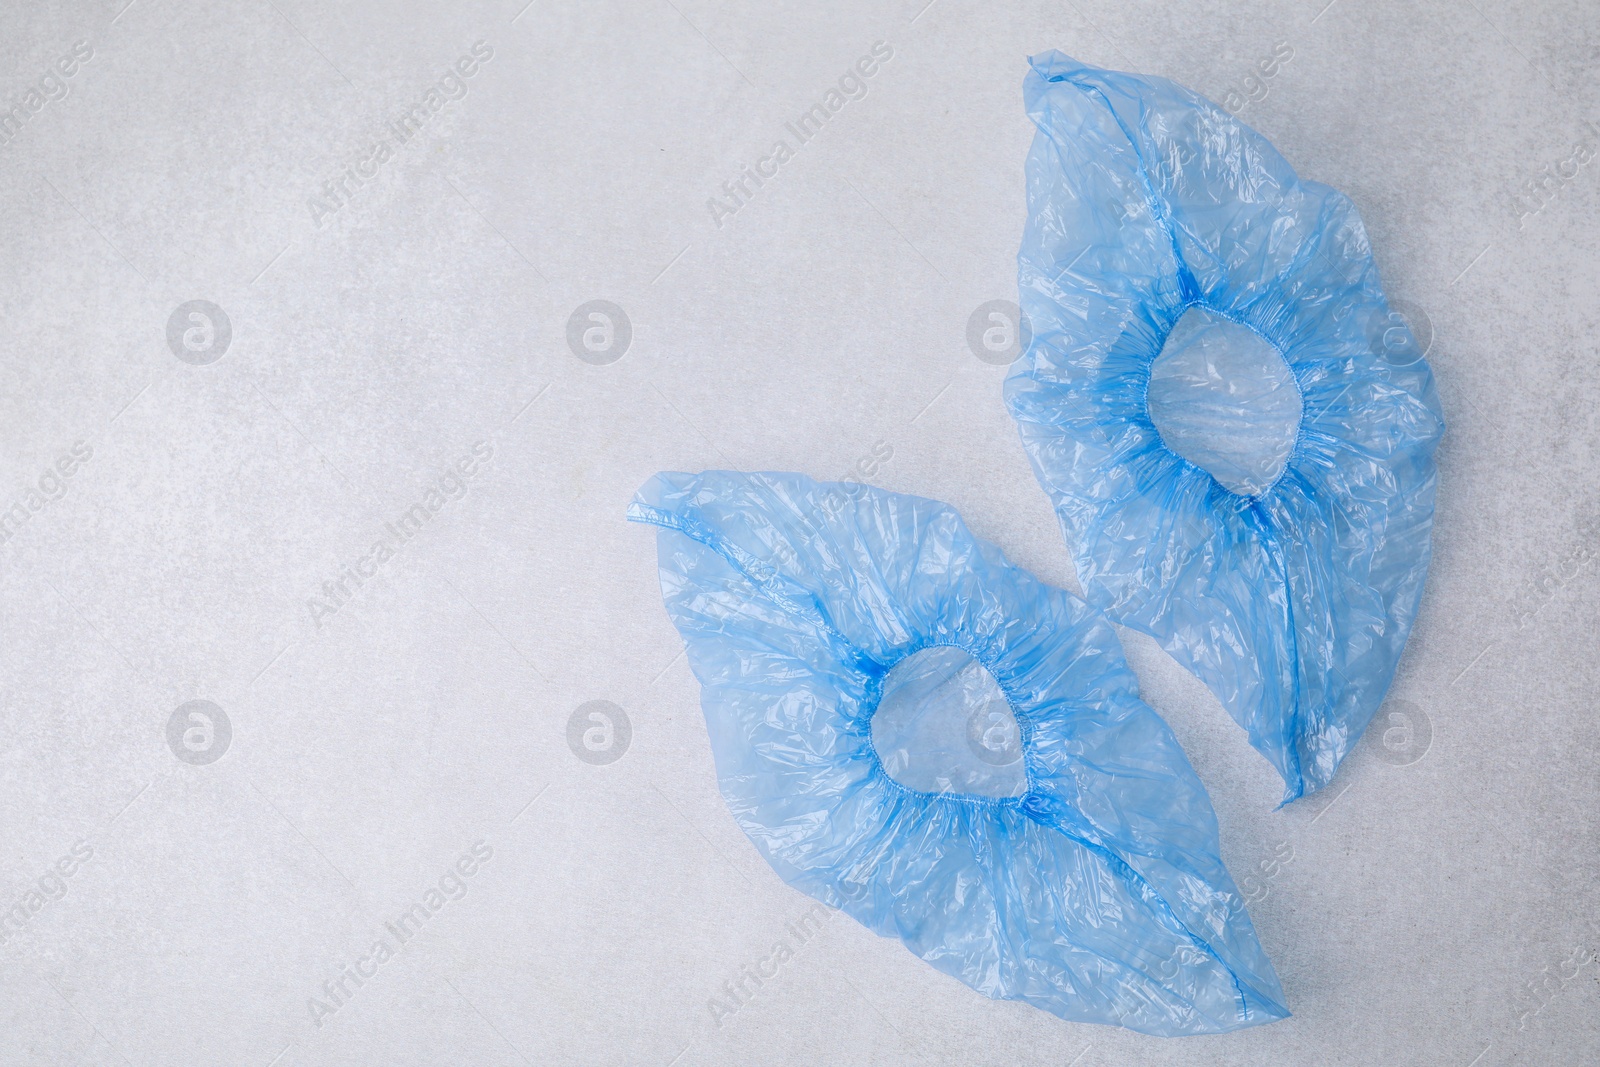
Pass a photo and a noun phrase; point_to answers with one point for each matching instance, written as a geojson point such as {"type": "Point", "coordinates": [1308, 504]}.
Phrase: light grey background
{"type": "Point", "coordinates": [1437, 911]}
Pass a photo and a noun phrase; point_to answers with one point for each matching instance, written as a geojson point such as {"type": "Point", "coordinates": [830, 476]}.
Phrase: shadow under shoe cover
{"type": "Point", "coordinates": [1097, 894]}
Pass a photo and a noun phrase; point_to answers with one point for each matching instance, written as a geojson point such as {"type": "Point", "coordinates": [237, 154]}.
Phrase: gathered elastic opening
{"type": "Point", "coordinates": [1223, 398]}
{"type": "Point", "coordinates": [941, 725]}
{"type": "Point", "coordinates": [873, 702]}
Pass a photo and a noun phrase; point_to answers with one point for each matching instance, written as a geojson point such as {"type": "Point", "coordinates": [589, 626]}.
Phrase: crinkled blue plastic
{"type": "Point", "coordinates": [1283, 560]}
{"type": "Point", "coordinates": [1097, 894]}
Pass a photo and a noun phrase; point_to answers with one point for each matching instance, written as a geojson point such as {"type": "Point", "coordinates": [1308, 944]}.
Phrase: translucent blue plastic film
{"type": "Point", "coordinates": [914, 731]}
{"type": "Point", "coordinates": [1222, 397]}
{"type": "Point", "coordinates": [1235, 431]}
{"type": "Point", "coordinates": [943, 725]}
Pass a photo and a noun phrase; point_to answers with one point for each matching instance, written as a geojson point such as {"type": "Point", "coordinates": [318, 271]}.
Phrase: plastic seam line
{"type": "Point", "coordinates": [1205, 573]}
{"type": "Point", "coordinates": [1162, 213]}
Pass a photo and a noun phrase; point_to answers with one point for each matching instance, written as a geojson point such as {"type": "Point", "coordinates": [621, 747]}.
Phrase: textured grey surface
{"type": "Point", "coordinates": [1437, 905]}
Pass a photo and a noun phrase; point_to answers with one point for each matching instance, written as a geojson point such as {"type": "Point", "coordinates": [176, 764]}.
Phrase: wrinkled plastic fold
{"type": "Point", "coordinates": [1096, 893]}
{"type": "Point", "coordinates": [1276, 541]}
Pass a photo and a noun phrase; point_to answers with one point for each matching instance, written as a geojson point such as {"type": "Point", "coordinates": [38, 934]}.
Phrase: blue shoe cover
{"type": "Point", "coordinates": [1079, 873]}
{"type": "Point", "coordinates": [1236, 431]}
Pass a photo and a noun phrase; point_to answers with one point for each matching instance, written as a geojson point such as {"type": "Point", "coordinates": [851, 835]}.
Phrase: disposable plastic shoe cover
{"type": "Point", "coordinates": [1062, 852]}
{"type": "Point", "coordinates": [1235, 429]}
